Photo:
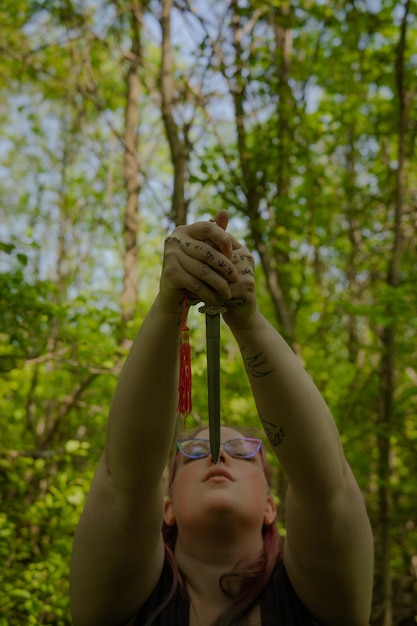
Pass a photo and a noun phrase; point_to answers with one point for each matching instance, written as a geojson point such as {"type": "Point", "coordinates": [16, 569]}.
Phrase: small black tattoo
{"type": "Point", "coordinates": [257, 365]}
{"type": "Point", "coordinates": [274, 433]}
{"type": "Point", "coordinates": [210, 255]}
{"type": "Point", "coordinates": [247, 270]}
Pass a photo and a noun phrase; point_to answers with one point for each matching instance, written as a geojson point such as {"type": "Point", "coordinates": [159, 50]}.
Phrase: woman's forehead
{"type": "Point", "coordinates": [225, 433]}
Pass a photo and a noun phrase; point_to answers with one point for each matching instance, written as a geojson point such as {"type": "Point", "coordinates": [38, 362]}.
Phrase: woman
{"type": "Point", "coordinates": [121, 570]}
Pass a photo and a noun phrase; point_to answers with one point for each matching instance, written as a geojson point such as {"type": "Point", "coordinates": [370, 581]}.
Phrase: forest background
{"type": "Point", "coordinates": [122, 118]}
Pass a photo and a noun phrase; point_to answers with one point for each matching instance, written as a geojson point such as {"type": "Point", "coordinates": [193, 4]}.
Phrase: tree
{"type": "Point", "coordinates": [120, 119]}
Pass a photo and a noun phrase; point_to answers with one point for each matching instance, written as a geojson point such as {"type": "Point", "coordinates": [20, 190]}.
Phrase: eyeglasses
{"type": "Point", "coordinates": [242, 448]}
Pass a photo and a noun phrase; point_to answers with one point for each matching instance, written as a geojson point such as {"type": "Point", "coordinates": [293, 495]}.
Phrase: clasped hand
{"type": "Point", "coordinates": [209, 265]}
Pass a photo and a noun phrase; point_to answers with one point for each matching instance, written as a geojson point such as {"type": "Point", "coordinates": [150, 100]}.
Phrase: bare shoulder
{"type": "Point", "coordinates": [118, 554]}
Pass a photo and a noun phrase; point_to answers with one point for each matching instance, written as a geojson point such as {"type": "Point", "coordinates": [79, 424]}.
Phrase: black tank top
{"type": "Point", "coordinates": [280, 605]}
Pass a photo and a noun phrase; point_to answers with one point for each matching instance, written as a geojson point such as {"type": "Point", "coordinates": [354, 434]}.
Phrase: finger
{"type": "Point", "coordinates": [209, 232]}
{"type": "Point", "coordinates": [176, 276]}
{"type": "Point", "coordinates": [203, 261]}
{"type": "Point", "coordinates": [222, 219]}
{"type": "Point", "coordinates": [242, 256]}
{"type": "Point", "coordinates": [235, 243]}
{"type": "Point", "coordinates": [203, 282]}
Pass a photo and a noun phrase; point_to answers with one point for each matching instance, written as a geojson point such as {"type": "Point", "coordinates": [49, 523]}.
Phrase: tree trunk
{"type": "Point", "coordinates": [253, 185]}
{"type": "Point", "coordinates": [386, 388]}
{"type": "Point", "coordinates": [282, 62]}
{"type": "Point", "coordinates": [131, 172]}
{"type": "Point", "coordinates": [354, 233]}
{"type": "Point", "coordinates": [179, 146]}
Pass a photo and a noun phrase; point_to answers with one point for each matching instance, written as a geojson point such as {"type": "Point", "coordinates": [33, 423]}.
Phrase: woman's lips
{"type": "Point", "coordinates": [218, 474]}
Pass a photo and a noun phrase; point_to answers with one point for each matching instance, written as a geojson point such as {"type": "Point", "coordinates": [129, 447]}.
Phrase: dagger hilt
{"type": "Point", "coordinates": [221, 307]}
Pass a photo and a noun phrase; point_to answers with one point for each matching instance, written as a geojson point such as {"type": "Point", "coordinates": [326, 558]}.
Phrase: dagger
{"type": "Point", "coordinates": [213, 369]}
{"type": "Point", "coordinates": [213, 374]}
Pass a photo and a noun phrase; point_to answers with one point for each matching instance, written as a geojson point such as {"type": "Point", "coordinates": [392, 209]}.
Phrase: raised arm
{"type": "Point", "coordinates": [118, 550]}
{"type": "Point", "coordinates": [328, 551]}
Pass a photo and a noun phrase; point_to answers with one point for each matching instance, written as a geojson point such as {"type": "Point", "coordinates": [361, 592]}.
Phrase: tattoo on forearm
{"type": "Point", "coordinates": [274, 433]}
{"type": "Point", "coordinates": [257, 365]}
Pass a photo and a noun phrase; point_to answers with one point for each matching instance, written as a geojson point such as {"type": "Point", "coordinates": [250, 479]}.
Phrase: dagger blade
{"type": "Point", "coordinates": [213, 381]}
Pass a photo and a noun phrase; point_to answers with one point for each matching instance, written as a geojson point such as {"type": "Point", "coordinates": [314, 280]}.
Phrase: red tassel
{"type": "Point", "coordinates": [184, 406]}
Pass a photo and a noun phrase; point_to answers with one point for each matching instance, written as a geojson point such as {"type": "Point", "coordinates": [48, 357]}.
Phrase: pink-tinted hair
{"type": "Point", "coordinates": [251, 576]}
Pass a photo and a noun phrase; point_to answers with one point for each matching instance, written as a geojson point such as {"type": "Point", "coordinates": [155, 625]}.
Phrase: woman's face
{"type": "Point", "coordinates": [233, 488]}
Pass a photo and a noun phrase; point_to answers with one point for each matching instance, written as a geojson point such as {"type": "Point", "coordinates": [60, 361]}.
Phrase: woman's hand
{"type": "Point", "coordinates": [243, 306]}
{"type": "Point", "coordinates": [199, 259]}
{"type": "Point", "coordinates": [210, 265]}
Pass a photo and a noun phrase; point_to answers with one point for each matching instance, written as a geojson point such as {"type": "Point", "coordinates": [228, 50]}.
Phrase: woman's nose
{"type": "Point", "coordinates": [223, 456]}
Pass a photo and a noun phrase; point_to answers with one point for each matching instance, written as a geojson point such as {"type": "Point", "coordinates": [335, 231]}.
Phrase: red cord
{"type": "Point", "coordinates": [184, 406]}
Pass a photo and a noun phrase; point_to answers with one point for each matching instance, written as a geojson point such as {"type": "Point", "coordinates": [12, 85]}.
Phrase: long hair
{"type": "Point", "coordinates": [249, 577]}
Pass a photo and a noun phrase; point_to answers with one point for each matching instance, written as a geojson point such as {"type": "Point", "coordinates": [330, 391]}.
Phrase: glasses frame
{"type": "Point", "coordinates": [224, 444]}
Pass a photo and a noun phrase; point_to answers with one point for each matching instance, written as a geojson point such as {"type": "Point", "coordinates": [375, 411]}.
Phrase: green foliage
{"type": "Point", "coordinates": [42, 500]}
{"type": "Point", "coordinates": [312, 183]}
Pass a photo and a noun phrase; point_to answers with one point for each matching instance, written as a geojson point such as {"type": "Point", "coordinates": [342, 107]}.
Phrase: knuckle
{"type": "Point", "coordinates": [170, 273]}
{"type": "Point", "coordinates": [196, 286]}
{"type": "Point", "coordinates": [203, 270]}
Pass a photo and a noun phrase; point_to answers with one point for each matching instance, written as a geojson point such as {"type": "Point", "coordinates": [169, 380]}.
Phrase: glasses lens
{"type": "Point", "coordinates": [194, 448]}
{"type": "Point", "coordinates": [243, 448]}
